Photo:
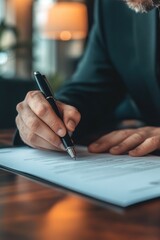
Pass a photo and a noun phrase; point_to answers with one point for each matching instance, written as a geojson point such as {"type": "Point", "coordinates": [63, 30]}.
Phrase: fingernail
{"type": "Point", "coordinates": [61, 132]}
{"type": "Point", "coordinates": [132, 153]}
{"type": "Point", "coordinates": [71, 124]}
{"type": "Point", "coordinates": [115, 148]}
{"type": "Point", "coordinates": [94, 145]}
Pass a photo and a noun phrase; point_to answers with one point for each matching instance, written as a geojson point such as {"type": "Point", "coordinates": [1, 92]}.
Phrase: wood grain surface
{"type": "Point", "coordinates": [30, 210]}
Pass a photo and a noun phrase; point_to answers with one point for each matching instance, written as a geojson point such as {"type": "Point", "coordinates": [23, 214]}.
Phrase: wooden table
{"type": "Point", "coordinates": [30, 210]}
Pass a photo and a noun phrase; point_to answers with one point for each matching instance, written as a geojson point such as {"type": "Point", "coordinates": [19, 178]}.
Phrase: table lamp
{"type": "Point", "coordinates": [66, 21]}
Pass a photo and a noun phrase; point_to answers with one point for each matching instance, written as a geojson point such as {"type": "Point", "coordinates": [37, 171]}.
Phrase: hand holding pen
{"type": "Point", "coordinates": [38, 124]}
{"type": "Point", "coordinates": [45, 88]}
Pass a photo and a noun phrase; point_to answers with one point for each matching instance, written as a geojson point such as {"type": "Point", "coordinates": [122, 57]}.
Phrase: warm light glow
{"type": "Point", "coordinates": [65, 36]}
{"type": "Point", "coordinates": [20, 5]}
{"type": "Point", "coordinates": [64, 220]}
{"type": "Point", "coordinates": [19, 13]}
{"type": "Point", "coordinates": [66, 21]}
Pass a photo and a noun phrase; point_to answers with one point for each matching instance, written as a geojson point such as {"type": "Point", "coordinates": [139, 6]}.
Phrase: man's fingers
{"type": "Point", "coordinates": [138, 142]}
{"type": "Point", "coordinates": [38, 124]}
{"type": "Point", "coordinates": [110, 140]}
{"type": "Point", "coordinates": [27, 122]}
{"type": "Point", "coordinates": [129, 143]}
{"type": "Point", "coordinates": [71, 117]}
{"type": "Point", "coordinates": [40, 106]}
{"type": "Point", "coordinates": [35, 141]}
{"type": "Point", "coordinates": [149, 145]}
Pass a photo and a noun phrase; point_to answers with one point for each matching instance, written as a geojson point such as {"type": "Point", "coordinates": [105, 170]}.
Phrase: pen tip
{"type": "Point", "coordinates": [71, 151]}
{"type": "Point", "coordinates": [36, 73]}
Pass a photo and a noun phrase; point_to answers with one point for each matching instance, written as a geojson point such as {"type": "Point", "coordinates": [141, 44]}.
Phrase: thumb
{"type": "Point", "coordinates": [71, 117]}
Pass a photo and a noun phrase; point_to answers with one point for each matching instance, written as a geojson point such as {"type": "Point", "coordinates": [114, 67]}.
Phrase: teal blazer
{"type": "Point", "coordinates": [120, 60]}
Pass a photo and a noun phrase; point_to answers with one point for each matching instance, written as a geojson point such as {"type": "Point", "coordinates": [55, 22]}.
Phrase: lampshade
{"type": "Point", "coordinates": [66, 21]}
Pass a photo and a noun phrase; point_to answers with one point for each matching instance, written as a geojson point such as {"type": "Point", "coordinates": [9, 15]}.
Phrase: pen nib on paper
{"type": "Point", "coordinates": [72, 153]}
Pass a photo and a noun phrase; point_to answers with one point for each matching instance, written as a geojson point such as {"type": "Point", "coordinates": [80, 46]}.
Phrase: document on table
{"type": "Point", "coordinates": [119, 180]}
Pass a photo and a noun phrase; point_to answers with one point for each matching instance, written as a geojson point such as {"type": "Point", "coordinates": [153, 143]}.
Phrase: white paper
{"type": "Point", "coordinates": [120, 180]}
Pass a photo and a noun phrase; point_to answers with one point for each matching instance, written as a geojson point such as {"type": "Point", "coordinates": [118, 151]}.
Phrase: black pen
{"type": "Point", "coordinates": [45, 88]}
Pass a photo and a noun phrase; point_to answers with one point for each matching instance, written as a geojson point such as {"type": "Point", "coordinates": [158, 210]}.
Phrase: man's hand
{"type": "Point", "coordinates": [39, 126]}
{"type": "Point", "coordinates": [136, 142]}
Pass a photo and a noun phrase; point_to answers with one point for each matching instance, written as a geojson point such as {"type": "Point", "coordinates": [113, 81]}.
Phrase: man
{"type": "Point", "coordinates": [142, 5]}
{"type": "Point", "coordinates": [120, 64]}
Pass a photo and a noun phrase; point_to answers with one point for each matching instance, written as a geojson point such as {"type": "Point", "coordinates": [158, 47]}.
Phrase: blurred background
{"type": "Point", "coordinates": [39, 35]}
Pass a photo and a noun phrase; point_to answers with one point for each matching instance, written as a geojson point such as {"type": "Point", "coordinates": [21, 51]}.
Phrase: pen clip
{"type": "Point", "coordinates": [49, 87]}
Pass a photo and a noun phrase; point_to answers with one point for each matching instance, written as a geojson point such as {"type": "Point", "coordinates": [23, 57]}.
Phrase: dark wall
{"type": "Point", "coordinates": [11, 92]}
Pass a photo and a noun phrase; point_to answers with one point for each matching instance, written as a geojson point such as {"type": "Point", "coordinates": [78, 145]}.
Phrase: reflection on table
{"type": "Point", "coordinates": [30, 210]}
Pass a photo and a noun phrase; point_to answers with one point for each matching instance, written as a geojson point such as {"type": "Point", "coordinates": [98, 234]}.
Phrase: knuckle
{"type": "Point", "coordinates": [33, 124]}
{"type": "Point", "coordinates": [31, 94]}
{"type": "Point", "coordinates": [41, 110]}
{"type": "Point", "coordinates": [74, 112]}
{"type": "Point", "coordinates": [19, 107]}
{"type": "Point", "coordinates": [30, 138]}
{"type": "Point", "coordinates": [125, 133]}
{"type": "Point", "coordinates": [155, 141]}
{"type": "Point", "coordinates": [139, 136]}
{"type": "Point", "coordinates": [74, 109]}
{"type": "Point", "coordinates": [115, 132]}
{"type": "Point", "coordinates": [55, 125]}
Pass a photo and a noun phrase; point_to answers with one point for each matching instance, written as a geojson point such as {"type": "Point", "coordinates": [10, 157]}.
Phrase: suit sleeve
{"type": "Point", "coordinates": [95, 88]}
